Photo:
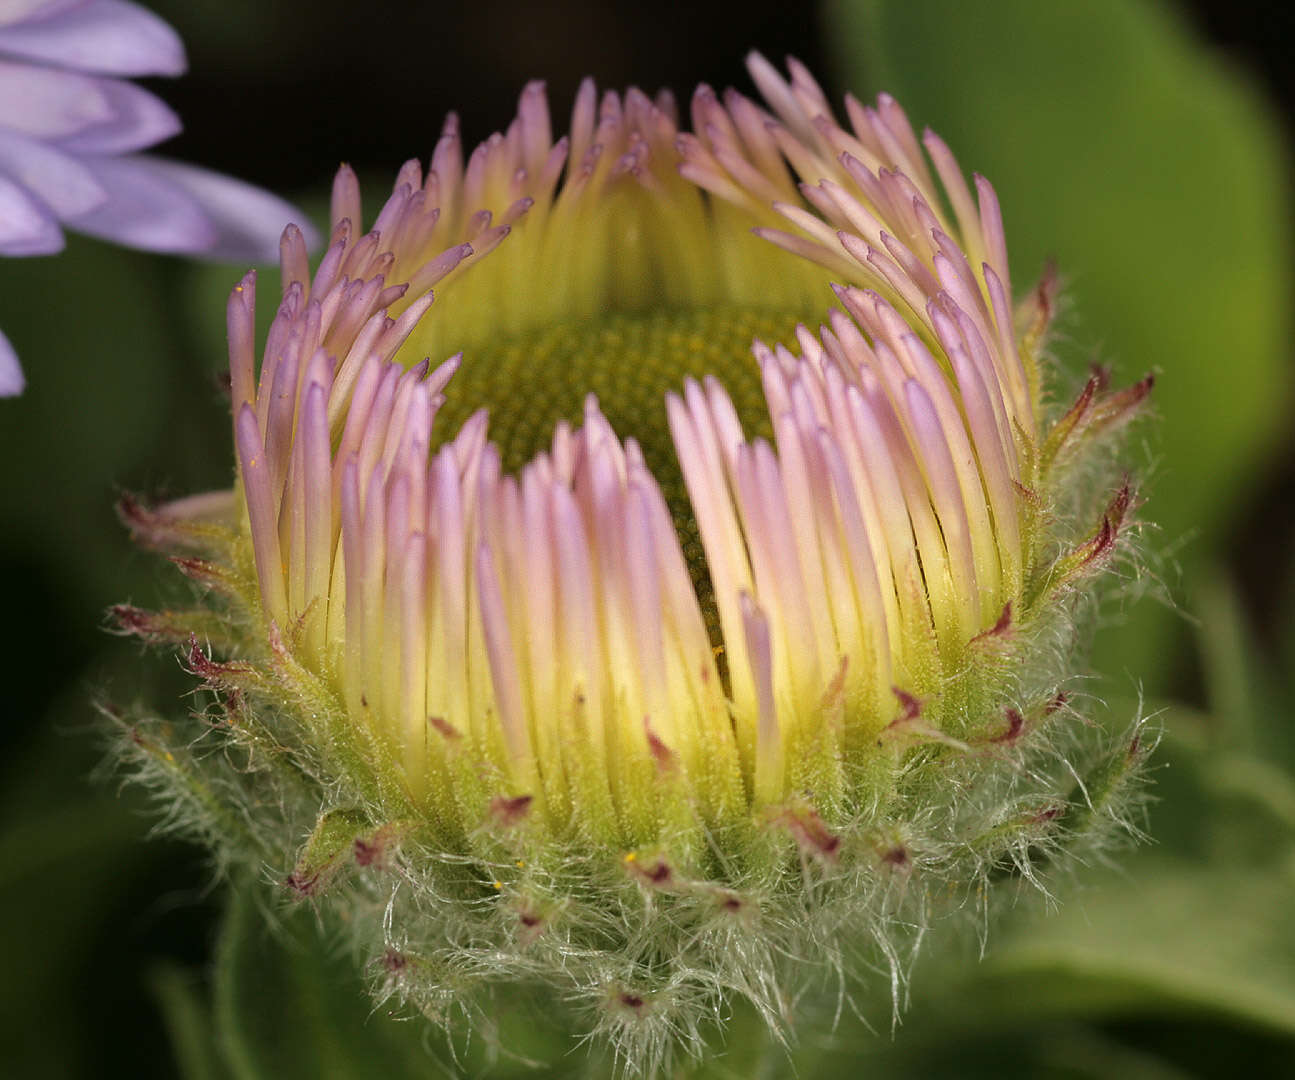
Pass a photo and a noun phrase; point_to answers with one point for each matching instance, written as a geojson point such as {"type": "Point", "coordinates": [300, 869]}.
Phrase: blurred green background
{"type": "Point", "coordinates": [1143, 145]}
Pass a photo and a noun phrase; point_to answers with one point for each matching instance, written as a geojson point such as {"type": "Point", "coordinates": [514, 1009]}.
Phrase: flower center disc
{"type": "Point", "coordinates": [629, 360]}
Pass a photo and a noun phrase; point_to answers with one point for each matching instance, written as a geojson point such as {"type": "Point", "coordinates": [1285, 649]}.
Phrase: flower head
{"type": "Point", "coordinates": [660, 653]}
{"type": "Point", "coordinates": [70, 131]}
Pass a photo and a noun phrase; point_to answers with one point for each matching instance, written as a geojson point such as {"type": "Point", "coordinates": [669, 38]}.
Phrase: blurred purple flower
{"type": "Point", "coordinates": [70, 126]}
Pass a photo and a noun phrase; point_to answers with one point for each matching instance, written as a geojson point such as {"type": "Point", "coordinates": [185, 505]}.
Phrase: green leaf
{"type": "Point", "coordinates": [1248, 690]}
{"type": "Point", "coordinates": [188, 1020]}
{"type": "Point", "coordinates": [287, 1004]}
{"type": "Point", "coordinates": [289, 1001]}
{"type": "Point", "coordinates": [1174, 936]}
{"type": "Point", "coordinates": [1156, 177]}
{"type": "Point", "coordinates": [79, 889]}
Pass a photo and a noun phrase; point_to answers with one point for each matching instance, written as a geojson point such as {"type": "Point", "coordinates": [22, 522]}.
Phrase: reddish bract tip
{"type": "Point", "coordinates": [1048, 813]}
{"type": "Point", "coordinates": [654, 871]}
{"type": "Point", "coordinates": [215, 674]}
{"type": "Point", "coordinates": [1002, 628]}
{"type": "Point", "coordinates": [446, 730]}
{"type": "Point", "coordinates": [1046, 290]}
{"type": "Point", "coordinates": [507, 811]}
{"type": "Point", "coordinates": [1028, 494]}
{"type": "Point", "coordinates": [1094, 549]}
{"type": "Point", "coordinates": [394, 962]}
{"type": "Point", "coordinates": [665, 758]}
{"type": "Point", "coordinates": [202, 571]}
{"type": "Point", "coordinates": [909, 707]}
{"type": "Point", "coordinates": [531, 923]}
{"type": "Point", "coordinates": [134, 621]}
{"type": "Point", "coordinates": [812, 836]}
{"type": "Point", "coordinates": [1082, 403]}
{"type": "Point", "coordinates": [1015, 725]}
{"type": "Point", "coordinates": [1117, 407]}
{"type": "Point", "coordinates": [896, 856]}
{"type": "Point", "coordinates": [303, 886]}
{"type": "Point", "coordinates": [730, 901]}
{"type": "Point", "coordinates": [1119, 506]}
{"type": "Point", "coordinates": [145, 525]}
{"type": "Point", "coordinates": [635, 1003]}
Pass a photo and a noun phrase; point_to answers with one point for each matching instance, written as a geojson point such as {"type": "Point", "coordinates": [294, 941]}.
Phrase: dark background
{"type": "Point", "coordinates": [122, 351]}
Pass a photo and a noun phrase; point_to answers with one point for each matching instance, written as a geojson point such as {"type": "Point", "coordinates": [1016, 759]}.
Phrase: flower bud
{"type": "Point", "coordinates": [704, 619]}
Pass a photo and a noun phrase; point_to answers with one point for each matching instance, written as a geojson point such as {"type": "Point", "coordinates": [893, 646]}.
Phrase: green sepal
{"type": "Point", "coordinates": [328, 850]}
{"type": "Point", "coordinates": [1100, 787]}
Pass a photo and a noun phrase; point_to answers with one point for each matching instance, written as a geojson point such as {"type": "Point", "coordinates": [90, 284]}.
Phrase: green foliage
{"type": "Point", "coordinates": [81, 894]}
{"type": "Point", "coordinates": [275, 979]}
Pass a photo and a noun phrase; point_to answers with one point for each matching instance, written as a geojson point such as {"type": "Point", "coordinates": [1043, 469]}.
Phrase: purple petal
{"type": "Point", "coordinates": [109, 37]}
{"type": "Point", "coordinates": [58, 179]}
{"type": "Point", "coordinates": [16, 11]}
{"type": "Point", "coordinates": [166, 206]}
{"type": "Point", "coordinates": [11, 380]}
{"type": "Point", "coordinates": [248, 220]}
{"type": "Point", "coordinates": [137, 120]}
{"type": "Point", "coordinates": [144, 210]}
{"type": "Point", "coordinates": [84, 113]}
{"type": "Point", "coordinates": [49, 103]}
{"type": "Point", "coordinates": [26, 227]}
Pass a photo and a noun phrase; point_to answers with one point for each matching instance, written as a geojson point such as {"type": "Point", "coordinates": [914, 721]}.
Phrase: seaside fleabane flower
{"type": "Point", "coordinates": [557, 634]}
{"type": "Point", "coordinates": [71, 127]}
